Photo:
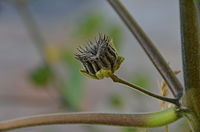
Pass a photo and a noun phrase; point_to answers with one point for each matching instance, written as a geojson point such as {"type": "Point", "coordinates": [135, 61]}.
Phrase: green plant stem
{"type": "Point", "coordinates": [191, 59]}
{"type": "Point", "coordinates": [150, 49]}
{"type": "Point", "coordinates": [155, 119]}
{"type": "Point", "coordinates": [170, 100]}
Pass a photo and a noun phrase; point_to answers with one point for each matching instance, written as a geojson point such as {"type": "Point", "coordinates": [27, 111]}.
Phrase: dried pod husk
{"type": "Point", "coordinates": [98, 55]}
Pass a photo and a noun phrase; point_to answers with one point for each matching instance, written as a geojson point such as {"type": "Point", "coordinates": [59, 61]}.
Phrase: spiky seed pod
{"type": "Point", "coordinates": [99, 55]}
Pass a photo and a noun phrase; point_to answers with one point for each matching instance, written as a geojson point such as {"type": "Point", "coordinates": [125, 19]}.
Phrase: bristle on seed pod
{"type": "Point", "coordinates": [99, 55]}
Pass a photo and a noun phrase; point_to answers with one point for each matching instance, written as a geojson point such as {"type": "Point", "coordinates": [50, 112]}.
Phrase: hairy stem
{"type": "Point", "coordinates": [170, 100]}
{"type": "Point", "coordinates": [191, 59]}
{"type": "Point", "coordinates": [155, 119]}
{"type": "Point", "coordinates": [150, 49]}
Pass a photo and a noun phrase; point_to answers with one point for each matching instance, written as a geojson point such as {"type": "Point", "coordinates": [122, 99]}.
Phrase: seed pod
{"type": "Point", "coordinates": [99, 55]}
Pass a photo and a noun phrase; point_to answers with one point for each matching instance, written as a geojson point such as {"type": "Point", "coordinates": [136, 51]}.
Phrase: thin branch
{"type": "Point", "coordinates": [31, 26]}
{"type": "Point", "coordinates": [155, 119]}
{"type": "Point", "coordinates": [170, 100]}
{"type": "Point", "coordinates": [150, 49]}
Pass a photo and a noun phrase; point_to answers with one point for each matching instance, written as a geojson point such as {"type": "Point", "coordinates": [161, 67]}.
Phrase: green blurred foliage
{"type": "Point", "coordinates": [116, 101]}
{"type": "Point", "coordinates": [129, 129]}
{"type": "Point", "coordinates": [116, 34]}
{"type": "Point", "coordinates": [134, 129]}
{"type": "Point", "coordinates": [73, 86]}
{"type": "Point", "coordinates": [41, 76]}
{"type": "Point", "coordinates": [142, 80]}
{"type": "Point", "coordinates": [91, 24]}
{"type": "Point", "coordinates": [96, 23]}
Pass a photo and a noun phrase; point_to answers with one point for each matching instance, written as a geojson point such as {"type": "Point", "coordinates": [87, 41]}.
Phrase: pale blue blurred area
{"type": "Point", "coordinates": [57, 20]}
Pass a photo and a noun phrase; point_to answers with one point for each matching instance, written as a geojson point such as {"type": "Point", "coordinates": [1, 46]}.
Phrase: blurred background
{"type": "Point", "coordinates": [39, 74]}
